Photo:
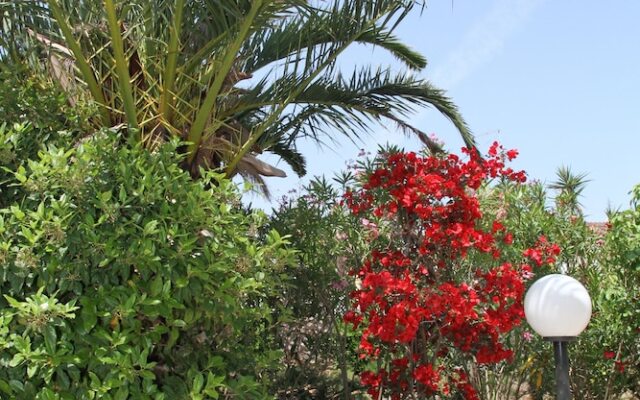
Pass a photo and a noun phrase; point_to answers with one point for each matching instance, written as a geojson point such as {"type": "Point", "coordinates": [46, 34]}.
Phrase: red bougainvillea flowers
{"type": "Point", "coordinates": [422, 305]}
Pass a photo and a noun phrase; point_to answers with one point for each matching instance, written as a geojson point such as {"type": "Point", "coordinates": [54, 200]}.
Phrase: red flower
{"type": "Point", "coordinates": [407, 301]}
{"type": "Point", "coordinates": [609, 355]}
{"type": "Point", "coordinates": [508, 238]}
{"type": "Point", "coordinates": [425, 374]}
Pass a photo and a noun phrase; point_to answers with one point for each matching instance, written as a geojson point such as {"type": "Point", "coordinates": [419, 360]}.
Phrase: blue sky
{"type": "Point", "coordinates": [558, 80]}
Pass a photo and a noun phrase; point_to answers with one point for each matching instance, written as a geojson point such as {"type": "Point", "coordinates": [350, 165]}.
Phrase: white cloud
{"type": "Point", "coordinates": [484, 40]}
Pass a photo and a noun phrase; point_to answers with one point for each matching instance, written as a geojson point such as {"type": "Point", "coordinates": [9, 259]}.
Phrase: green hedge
{"type": "Point", "coordinates": [123, 278]}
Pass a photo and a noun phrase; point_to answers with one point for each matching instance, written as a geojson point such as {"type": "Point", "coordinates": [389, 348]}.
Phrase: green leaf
{"type": "Point", "coordinates": [63, 379]}
{"type": "Point", "coordinates": [16, 385]}
{"type": "Point", "coordinates": [17, 212]}
{"type": "Point", "coordinates": [198, 383]}
{"type": "Point", "coordinates": [105, 197]}
{"type": "Point", "coordinates": [122, 195]}
{"type": "Point", "coordinates": [12, 302]}
{"type": "Point", "coordinates": [31, 370]}
{"type": "Point", "coordinates": [95, 381]}
{"type": "Point", "coordinates": [150, 228]}
{"type": "Point", "coordinates": [20, 174]}
{"type": "Point", "coordinates": [213, 382]}
{"type": "Point", "coordinates": [179, 323]}
{"type": "Point", "coordinates": [16, 360]}
{"type": "Point", "coordinates": [131, 301]}
{"type": "Point", "coordinates": [5, 387]}
{"type": "Point", "coordinates": [48, 394]}
{"type": "Point", "coordinates": [88, 316]}
{"type": "Point", "coordinates": [173, 337]}
{"type": "Point", "coordinates": [156, 286]}
{"type": "Point", "coordinates": [50, 339]}
{"type": "Point", "coordinates": [122, 394]}
{"type": "Point", "coordinates": [145, 373]}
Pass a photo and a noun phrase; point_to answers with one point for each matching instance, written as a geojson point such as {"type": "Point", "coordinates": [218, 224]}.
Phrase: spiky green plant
{"type": "Point", "coordinates": [569, 187]}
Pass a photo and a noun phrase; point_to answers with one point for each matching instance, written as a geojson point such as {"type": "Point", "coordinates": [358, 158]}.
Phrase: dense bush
{"type": "Point", "coordinates": [320, 349]}
{"type": "Point", "coordinates": [123, 278]}
{"type": "Point", "coordinates": [618, 291]}
{"type": "Point", "coordinates": [436, 293]}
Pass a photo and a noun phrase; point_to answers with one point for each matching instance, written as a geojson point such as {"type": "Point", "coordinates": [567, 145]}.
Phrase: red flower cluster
{"type": "Point", "coordinates": [620, 366]}
{"type": "Point", "coordinates": [543, 252]}
{"type": "Point", "coordinates": [413, 302]}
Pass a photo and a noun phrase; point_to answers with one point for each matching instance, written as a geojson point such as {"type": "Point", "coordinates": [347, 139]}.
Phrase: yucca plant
{"type": "Point", "coordinates": [233, 79]}
{"type": "Point", "coordinates": [569, 187]}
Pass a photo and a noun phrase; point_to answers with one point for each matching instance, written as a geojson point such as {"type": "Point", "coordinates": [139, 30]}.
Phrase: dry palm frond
{"type": "Point", "coordinates": [253, 170]}
{"type": "Point", "coordinates": [61, 63]}
{"type": "Point", "coordinates": [256, 166]}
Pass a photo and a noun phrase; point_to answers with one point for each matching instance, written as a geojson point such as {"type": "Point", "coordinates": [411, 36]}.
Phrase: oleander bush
{"type": "Point", "coordinates": [320, 349]}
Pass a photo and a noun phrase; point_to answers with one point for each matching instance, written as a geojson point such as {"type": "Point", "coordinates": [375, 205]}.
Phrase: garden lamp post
{"type": "Point", "coordinates": [558, 308]}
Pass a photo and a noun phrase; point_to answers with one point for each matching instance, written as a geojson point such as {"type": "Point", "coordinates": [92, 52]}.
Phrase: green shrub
{"type": "Point", "coordinates": [616, 322]}
{"type": "Point", "coordinates": [320, 349]}
{"type": "Point", "coordinates": [123, 278]}
{"type": "Point", "coordinates": [33, 113]}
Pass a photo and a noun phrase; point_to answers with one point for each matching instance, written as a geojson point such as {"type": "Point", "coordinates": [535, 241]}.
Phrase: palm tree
{"type": "Point", "coordinates": [232, 79]}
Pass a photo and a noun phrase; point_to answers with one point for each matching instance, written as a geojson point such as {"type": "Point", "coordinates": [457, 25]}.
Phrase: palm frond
{"type": "Point", "coordinates": [567, 180]}
{"type": "Point", "coordinates": [289, 154]}
{"type": "Point", "coordinates": [570, 187]}
{"type": "Point", "coordinates": [348, 106]}
{"type": "Point", "coordinates": [291, 38]}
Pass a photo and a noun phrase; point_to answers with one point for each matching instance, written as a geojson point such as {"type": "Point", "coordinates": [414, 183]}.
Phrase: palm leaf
{"type": "Point", "coordinates": [333, 103]}
{"type": "Point", "coordinates": [352, 18]}
{"type": "Point", "coordinates": [287, 40]}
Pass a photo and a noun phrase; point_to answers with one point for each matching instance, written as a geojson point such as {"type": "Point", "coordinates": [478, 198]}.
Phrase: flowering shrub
{"type": "Point", "coordinates": [421, 303]}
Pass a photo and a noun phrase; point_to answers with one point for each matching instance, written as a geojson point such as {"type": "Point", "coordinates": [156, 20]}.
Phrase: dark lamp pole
{"type": "Point", "coordinates": [561, 355]}
{"type": "Point", "coordinates": [558, 308]}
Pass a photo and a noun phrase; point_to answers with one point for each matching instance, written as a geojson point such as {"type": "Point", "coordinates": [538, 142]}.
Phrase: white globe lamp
{"type": "Point", "coordinates": [558, 308]}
